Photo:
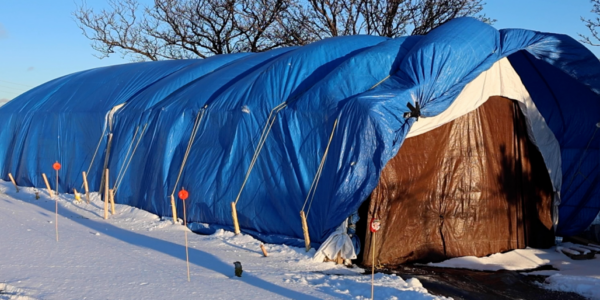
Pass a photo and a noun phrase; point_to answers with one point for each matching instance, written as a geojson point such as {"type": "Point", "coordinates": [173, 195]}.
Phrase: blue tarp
{"type": "Point", "coordinates": [363, 82]}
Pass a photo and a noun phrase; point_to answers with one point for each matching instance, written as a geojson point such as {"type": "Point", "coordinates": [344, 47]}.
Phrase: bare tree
{"type": "Point", "coordinates": [327, 18]}
{"type": "Point", "coordinates": [388, 18]}
{"type": "Point", "coordinates": [259, 24]}
{"type": "Point", "coordinates": [391, 18]}
{"type": "Point", "coordinates": [173, 29]}
{"type": "Point", "coordinates": [117, 30]}
{"type": "Point", "coordinates": [429, 14]}
{"type": "Point", "coordinates": [198, 28]}
{"type": "Point", "coordinates": [593, 25]}
{"type": "Point", "coordinates": [394, 18]}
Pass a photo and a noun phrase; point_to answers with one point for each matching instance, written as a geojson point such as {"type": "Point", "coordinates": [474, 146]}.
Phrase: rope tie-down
{"type": "Point", "coordinates": [197, 122]}
{"type": "Point", "coordinates": [105, 166]}
{"type": "Point", "coordinates": [127, 160]}
{"type": "Point", "coordinates": [84, 184]}
{"type": "Point", "coordinates": [312, 190]}
{"type": "Point", "coordinates": [263, 137]}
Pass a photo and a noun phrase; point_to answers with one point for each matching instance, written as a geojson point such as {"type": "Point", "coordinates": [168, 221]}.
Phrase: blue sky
{"type": "Point", "coordinates": [40, 41]}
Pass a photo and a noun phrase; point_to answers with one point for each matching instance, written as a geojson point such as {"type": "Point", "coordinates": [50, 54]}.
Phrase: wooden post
{"type": "Point", "coordinates": [56, 187]}
{"type": "Point", "coordinates": [338, 259]}
{"type": "Point", "coordinates": [305, 230]}
{"type": "Point", "coordinates": [236, 225]}
{"type": "Point", "coordinates": [174, 209]}
{"type": "Point", "coordinates": [185, 229]}
{"type": "Point", "coordinates": [183, 194]}
{"type": "Point", "coordinates": [48, 185]}
{"type": "Point", "coordinates": [85, 185]}
{"type": "Point", "coordinates": [56, 166]}
{"type": "Point", "coordinates": [106, 194]}
{"type": "Point", "coordinates": [13, 181]}
{"type": "Point", "coordinates": [77, 196]}
{"type": "Point", "coordinates": [264, 251]}
{"type": "Point", "coordinates": [56, 217]}
{"type": "Point", "coordinates": [374, 226]}
{"type": "Point", "coordinates": [373, 266]}
{"type": "Point", "coordinates": [112, 200]}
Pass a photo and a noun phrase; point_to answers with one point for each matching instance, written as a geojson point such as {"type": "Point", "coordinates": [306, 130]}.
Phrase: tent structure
{"type": "Point", "coordinates": [258, 129]}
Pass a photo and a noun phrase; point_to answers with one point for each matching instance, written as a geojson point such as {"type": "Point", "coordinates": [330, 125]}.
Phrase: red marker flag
{"type": "Point", "coordinates": [375, 225]}
{"type": "Point", "coordinates": [56, 166]}
{"type": "Point", "coordinates": [183, 194]}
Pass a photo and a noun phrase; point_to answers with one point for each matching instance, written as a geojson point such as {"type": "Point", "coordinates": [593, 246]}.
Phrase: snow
{"type": "Point", "coordinates": [579, 276]}
{"type": "Point", "coordinates": [137, 255]}
{"type": "Point", "coordinates": [521, 259]}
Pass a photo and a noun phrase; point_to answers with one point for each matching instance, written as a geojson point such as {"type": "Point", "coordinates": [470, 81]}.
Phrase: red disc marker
{"type": "Point", "coordinates": [183, 194]}
{"type": "Point", "coordinates": [375, 225]}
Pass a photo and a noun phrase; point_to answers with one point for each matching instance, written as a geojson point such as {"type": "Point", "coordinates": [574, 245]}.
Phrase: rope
{"type": "Point", "coordinates": [261, 142]}
{"type": "Point", "coordinates": [119, 180]}
{"type": "Point", "coordinates": [95, 153]}
{"type": "Point", "coordinates": [126, 155]}
{"type": "Point", "coordinates": [380, 82]}
{"type": "Point", "coordinates": [197, 122]}
{"type": "Point", "coordinates": [315, 182]}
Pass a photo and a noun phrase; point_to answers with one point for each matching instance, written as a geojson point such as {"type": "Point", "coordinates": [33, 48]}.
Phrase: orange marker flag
{"type": "Point", "coordinates": [56, 166]}
{"type": "Point", "coordinates": [183, 194]}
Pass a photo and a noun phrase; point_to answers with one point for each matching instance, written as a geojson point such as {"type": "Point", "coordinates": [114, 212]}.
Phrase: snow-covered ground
{"type": "Point", "coordinates": [136, 255]}
{"type": "Point", "coordinates": [579, 276]}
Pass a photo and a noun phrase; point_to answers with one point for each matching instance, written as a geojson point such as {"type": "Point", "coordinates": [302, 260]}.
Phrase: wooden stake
{"type": "Point", "coordinates": [77, 196]}
{"type": "Point", "coordinates": [187, 256]}
{"type": "Point", "coordinates": [183, 194]}
{"type": "Point", "coordinates": [56, 187]}
{"type": "Point", "coordinates": [305, 230]}
{"type": "Point", "coordinates": [48, 185]}
{"type": "Point", "coordinates": [174, 209]}
{"type": "Point", "coordinates": [373, 265]}
{"type": "Point", "coordinates": [338, 259]}
{"type": "Point", "coordinates": [56, 217]}
{"type": "Point", "coordinates": [56, 166]}
{"type": "Point", "coordinates": [85, 185]}
{"type": "Point", "coordinates": [106, 194]}
{"type": "Point", "coordinates": [112, 201]}
{"type": "Point", "coordinates": [13, 181]}
{"type": "Point", "coordinates": [264, 251]}
{"type": "Point", "coordinates": [236, 225]}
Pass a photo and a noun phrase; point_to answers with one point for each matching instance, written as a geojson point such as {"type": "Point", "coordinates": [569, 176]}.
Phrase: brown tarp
{"type": "Point", "coordinates": [474, 186]}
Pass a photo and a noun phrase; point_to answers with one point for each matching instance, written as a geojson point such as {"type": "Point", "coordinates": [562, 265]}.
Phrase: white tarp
{"type": "Point", "coordinates": [338, 241]}
{"type": "Point", "coordinates": [501, 80]}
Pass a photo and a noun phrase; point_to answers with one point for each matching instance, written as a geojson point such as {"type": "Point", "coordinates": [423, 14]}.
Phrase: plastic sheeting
{"type": "Point", "coordinates": [570, 111]}
{"type": "Point", "coordinates": [364, 82]}
{"type": "Point", "coordinates": [339, 242]}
